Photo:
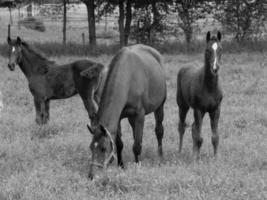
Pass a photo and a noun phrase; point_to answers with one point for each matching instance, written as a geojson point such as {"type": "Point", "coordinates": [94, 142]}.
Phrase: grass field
{"type": "Point", "coordinates": [51, 162]}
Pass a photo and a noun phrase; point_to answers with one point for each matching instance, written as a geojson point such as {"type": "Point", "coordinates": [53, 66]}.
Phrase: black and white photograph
{"type": "Point", "coordinates": [133, 99]}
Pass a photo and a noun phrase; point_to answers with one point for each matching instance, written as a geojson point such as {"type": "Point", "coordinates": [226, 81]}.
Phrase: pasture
{"type": "Point", "coordinates": [51, 162]}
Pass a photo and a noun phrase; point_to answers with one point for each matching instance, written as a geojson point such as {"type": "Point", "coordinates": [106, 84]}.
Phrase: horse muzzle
{"type": "Point", "coordinates": [94, 168]}
{"type": "Point", "coordinates": [215, 70]}
{"type": "Point", "coordinates": [11, 66]}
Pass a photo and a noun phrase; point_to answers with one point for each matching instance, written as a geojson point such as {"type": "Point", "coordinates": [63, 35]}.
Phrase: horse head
{"type": "Point", "coordinates": [102, 148]}
{"type": "Point", "coordinates": [15, 52]}
{"type": "Point", "coordinates": [213, 52]}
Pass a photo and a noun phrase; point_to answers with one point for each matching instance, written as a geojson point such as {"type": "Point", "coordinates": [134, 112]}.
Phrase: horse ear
{"type": "Point", "coordinates": [90, 129]}
{"type": "Point", "coordinates": [18, 40]}
{"type": "Point", "coordinates": [219, 36]}
{"type": "Point", "coordinates": [208, 36]}
{"type": "Point", "coordinates": [92, 72]}
{"type": "Point", "coordinates": [8, 40]}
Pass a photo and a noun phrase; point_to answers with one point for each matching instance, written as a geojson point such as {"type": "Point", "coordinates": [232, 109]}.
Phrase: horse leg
{"type": "Point", "coordinates": [42, 111]}
{"type": "Point", "coordinates": [137, 123]}
{"type": "Point", "coordinates": [119, 146]}
{"type": "Point", "coordinates": [214, 119]}
{"type": "Point", "coordinates": [46, 111]}
{"type": "Point", "coordinates": [159, 130]}
{"type": "Point", "coordinates": [181, 127]}
{"type": "Point", "coordinates": [196, 133]}
{"type": "Point", "coordinates": [37, 105]}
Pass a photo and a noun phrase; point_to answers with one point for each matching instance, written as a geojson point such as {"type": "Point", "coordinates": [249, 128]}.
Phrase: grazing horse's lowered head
{"type": "Point", "coordinates": [14, 52]}
{"type": "Point", "coordinates": [213, 52]}
{"type": "Point", "coordinates": [102, 147]}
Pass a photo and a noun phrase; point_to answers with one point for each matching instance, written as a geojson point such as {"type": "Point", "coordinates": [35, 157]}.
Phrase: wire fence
{"type": "Point", "coordinates": [23, 24]}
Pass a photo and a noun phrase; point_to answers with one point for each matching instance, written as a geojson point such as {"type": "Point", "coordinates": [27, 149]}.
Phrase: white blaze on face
{"type": "Point", "coordinates": [95, 144]}
{"type": "Point", "coordinates": [214, 47]}
{"type": "Point", "coordinates": [13, 49]}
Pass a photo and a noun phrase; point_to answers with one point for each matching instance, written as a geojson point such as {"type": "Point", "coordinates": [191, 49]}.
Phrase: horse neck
{"type": "Point", "coordinates": [25, 64]}
{"type": "Point", "coordinates": [29, 62]}
{"type": "Point", "coordinates": [112, 102]}
{"type": "Point", "coordinates": [210, 79]}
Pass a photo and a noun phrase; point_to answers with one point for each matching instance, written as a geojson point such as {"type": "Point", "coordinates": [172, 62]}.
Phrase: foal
{"type": "Point", "coordinates": [49, 81]}
{"type": "Point", "coordinates": [199, 88]}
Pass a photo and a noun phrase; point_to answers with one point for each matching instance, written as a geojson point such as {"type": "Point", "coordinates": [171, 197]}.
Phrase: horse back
{"type": "Point", "coordinates": [148, 83]}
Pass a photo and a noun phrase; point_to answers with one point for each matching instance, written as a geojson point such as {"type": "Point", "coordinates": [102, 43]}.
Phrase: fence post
{"type": "Point", "coordinates": [83, 39]}
{"type": "Point", "coordinates": [19, 18]}
{"type": "Point", "coordinates": [8, 31]}
{"type": "Point", "coordinates": [106, 22]}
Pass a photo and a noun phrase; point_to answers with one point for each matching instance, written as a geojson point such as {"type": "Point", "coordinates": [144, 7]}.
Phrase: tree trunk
{"type": "Point", "coordinates": [19, 18]}
{"type": "Point", "coordinates": [64, 20]}
{"type": "Point", "coordinates": [188, 34]}
{"type": "Point", "coordinates": [156, 21]}
{"type": "Point", "coordinates": [121, 22]}
{"type": "Point", "coordinates": [90, 5]}
{"type": "Point", "coordinates": [128, 21]}
{"type": "Point", "coordinates": [10, 16]}
{"type": "Point", "coordinates": [29, 10]}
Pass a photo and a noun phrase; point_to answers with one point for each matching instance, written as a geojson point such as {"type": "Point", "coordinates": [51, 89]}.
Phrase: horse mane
{"type": "Point", "coordinates": [36, 52]}
{"type": "Point", "coordinates": [110, 71]}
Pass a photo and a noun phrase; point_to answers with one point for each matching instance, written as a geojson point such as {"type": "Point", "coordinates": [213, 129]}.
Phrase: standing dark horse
{"type": "Point", "coordinates": [135, 86]}
{"type": "Point", "coordinates": [199, 88]}
{"type": "Point", "coordinates": [48, 81]}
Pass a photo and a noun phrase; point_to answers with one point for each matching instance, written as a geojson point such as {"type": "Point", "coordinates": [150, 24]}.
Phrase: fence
{"type": "Point", "coordinates": [52, 19]}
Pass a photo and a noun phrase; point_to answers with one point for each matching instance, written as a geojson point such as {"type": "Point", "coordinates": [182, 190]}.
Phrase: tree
{"type": "Point", "coordinates": [121, 22]}
{"type": "Point", "coordinates": [149, 20]}
{"type": "Point", "coordinates": [125, 15]}
{"type": "Point", "coordinates": [90, 5]}
{"type": "Point", "coordinates": [189, 11]}
{"type": "Point", "coordinates": [9, 4]}
{"type": "Point", "coordinates": [244, 18]}
{"type": "Point", "coordinates": [128, 21]}
{"type": "Point", "coordinates": [64, 21]}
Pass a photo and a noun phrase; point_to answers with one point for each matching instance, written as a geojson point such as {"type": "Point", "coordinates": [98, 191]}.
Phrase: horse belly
{"type": "Point", "coordinates": [64, 91]}
{"type": "Point", "coordinates": [62, 85]}
{"type": "Point", "coordinates": [154, 92]}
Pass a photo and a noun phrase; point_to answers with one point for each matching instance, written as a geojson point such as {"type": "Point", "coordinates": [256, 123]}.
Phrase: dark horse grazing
{"type": "Point", "coordinates": [135, 86]}
{"type": "Point", "coordinates": [199, 88]}
{"type": "Point", "coordinates": [48, 81]}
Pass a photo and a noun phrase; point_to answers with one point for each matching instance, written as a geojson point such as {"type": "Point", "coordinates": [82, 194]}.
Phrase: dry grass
{"type": "Point", "coordinates": [51, 162]}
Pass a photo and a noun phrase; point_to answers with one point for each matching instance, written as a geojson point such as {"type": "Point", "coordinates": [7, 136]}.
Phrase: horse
{"type": "Point", "coordinates": [200, 89]}
{"type": "Point", "coordinates": [47, 80]}
{"type": "Point", "coordinates": [135, 86]}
